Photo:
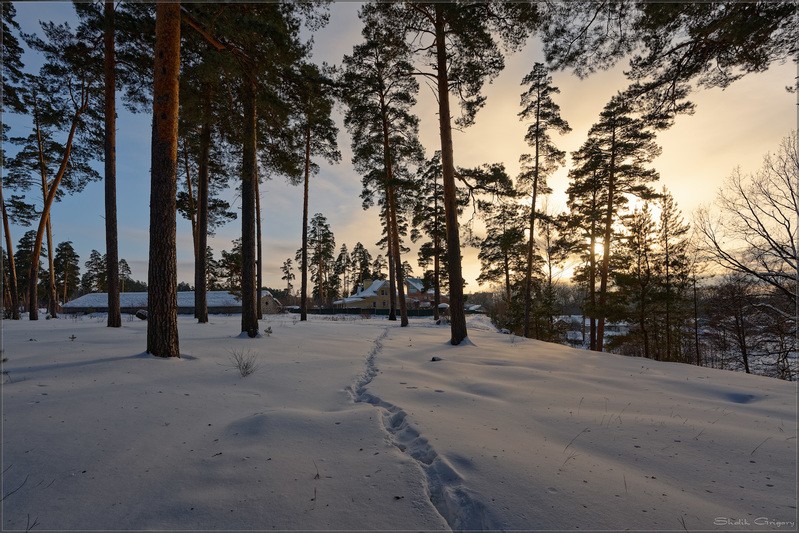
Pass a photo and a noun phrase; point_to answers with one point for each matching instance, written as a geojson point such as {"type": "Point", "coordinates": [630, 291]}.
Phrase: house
{"type": "Point", "coordinates": [375, 294]}
{"type": "Point", "coordinates": [219, 302]}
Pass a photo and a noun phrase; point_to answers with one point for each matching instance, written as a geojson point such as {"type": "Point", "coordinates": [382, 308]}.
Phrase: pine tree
{"type": "Point", "coordinates": [67, 265]}
{"type": "Point", "coordinates": [544, 116]}
{"type": "Point", "coordinates": [625, 144]}
{"type": "Point", "coordinates": [361, 261]}
{"type": "Point", "coordinates": [636, 280]}
{"type": "Point", "coordinates": [288, 275]}
{"type": "Point", "coordinates": [587, 196]}
{"type": "Point", "coordinates": [380, 92]}
{"type": "Point", "coordinates": [343, 270]}
{"type": "Point", "coordinates": [464, 53]}
{"type": "Point", "coordinates": [162, 326]}
{"type": "Point", "coordinates": [501, 251]}
{"type": "Point", "coordinates": [322, 246]}
{"type": "Point", "coordinates": [315, 103]}
{"type": "Point", "coordinates": [673, 271]}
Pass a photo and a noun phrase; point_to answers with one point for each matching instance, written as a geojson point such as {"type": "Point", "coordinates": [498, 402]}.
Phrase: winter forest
{"type": "Point", "coordinates": [244, 103]}
{"type": "Point", "coordinates": [563, 344]}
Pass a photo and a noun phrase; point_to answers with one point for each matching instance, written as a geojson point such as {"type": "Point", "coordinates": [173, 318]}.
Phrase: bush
{"type": "Point", "coordinates": [245, 362]}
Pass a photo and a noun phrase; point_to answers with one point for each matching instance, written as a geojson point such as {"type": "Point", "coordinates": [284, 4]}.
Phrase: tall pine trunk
{"type": "Point", "coordinates": [51, 292]}
{"type": "Point", "coordinates": [392, 280]}
{"type": "Point", "coordinates": [249, 315]}
{"type": "Point", "coordinates": [259, 248]}
{"type": "Point", "coordinates": [33, 290]}
{"type": "Point", "coordinates": [304, 250]}
{"type": "Point", "coordinates": [528, 275]}
{"type": "Point", "coordinates": [436, 255]}
{"type": "Point", "coordinates": [603, 281]}
{"type": "Point", "coordinates": [201, 230]}
{"type": "Point", "coordinates": [162, 318]}
{"type": "Point", "coordinates": [400, 274]}
{"type": "Point", "coordinates": [12, 269]}
{"type": "Point", "coordinates": [52, 296]}
{"type": "Point", "coordinates": [457, 315]}
{"type": "Point", "coordinates": [111, 246]}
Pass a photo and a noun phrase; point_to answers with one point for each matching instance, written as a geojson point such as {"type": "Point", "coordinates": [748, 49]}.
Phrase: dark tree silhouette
{"type": "Point", "coordinates": [544, 116]}
{"type": "Point", "coordinates": [162, 320]}
{"type": "Point", "coordinates": [464, 53]}
{"type": "Point", "coordinates": [380, 93]}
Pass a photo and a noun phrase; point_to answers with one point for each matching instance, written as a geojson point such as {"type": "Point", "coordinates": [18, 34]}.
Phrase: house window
{"type": "Point", "coordinates": [384, 303]}
{"type": "Point", "coordinates": [383, 293]}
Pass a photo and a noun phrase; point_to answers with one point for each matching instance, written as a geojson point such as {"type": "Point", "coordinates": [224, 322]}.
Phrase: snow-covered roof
{"type": "Point", "coordinates": [139, 299]}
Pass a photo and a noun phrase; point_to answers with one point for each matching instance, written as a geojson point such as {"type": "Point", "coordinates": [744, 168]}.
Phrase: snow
{"type": "Point", "coordinates": [139, 299]}
{"type": "Point", "coordinates": [349, 423]}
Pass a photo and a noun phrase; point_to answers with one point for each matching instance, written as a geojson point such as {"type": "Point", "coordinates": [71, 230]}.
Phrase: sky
{"type": "Point", "coordinates": [731, 128]}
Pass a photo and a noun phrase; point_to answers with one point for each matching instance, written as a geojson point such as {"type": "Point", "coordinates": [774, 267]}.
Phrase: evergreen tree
{"type": "Point", "coordinates": [315, 104]}
{"type": "Point", "coordinates": [162, 327]}
{"type": "Point", "coordinates": [124, 273]}
{"type": "Point", "coordinates": [25, 264]}
{"type": "Point", "coordinates": [67, 265]}
{"type": "Point", "coordinates": [378, 267]}
{"type": "Point", "coordinates": [625, 144]}
{"type": "Point", "coordinates": [322, 245]}
{"type": "Point", "coordinates": [502, 250]}
{"type": "Point", "coordinates": [587, 196]}
{"type": "Point", "coordinates": [380, 92]}
{"type": "Point", "coordinates": [288, 275]}
{"type": "Point", "coordinates": [43, 153]}
{"type": "Point", "coordinates": [544, 116]}
{"type": "Point", "coordinates": [361, 261]}
{"type": "Point", "coordinates": [636, 280]}
{"type": "Point", "coordinates": [343, 270]}
{"type": "Point", "coordinates": [96, 272]}
{"type": "Point", "coordinates": [464, 53]}
{"type": "Point", "coordinates": [672, 46]}
{"type": "Point", "coordinates": [230, 267]}
{"type": "Point", "coordinates": [674, 270]}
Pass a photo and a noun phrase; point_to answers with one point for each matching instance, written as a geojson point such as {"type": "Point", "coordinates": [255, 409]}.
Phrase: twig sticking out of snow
{"type": "Point", "coordinates": [759, 445]}
{"type": "Point", "coordinates": [575, 438]}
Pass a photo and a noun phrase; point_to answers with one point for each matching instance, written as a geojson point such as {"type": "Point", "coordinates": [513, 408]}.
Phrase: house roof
{"type": "Point", "coordinates": [139, 299]}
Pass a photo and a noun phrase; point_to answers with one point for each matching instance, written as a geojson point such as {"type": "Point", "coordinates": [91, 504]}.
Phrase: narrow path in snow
{"type": "Point", "coordinates": [461, 507]}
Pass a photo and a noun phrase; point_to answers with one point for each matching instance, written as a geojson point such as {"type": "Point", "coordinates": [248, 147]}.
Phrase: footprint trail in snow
{"type": "Point", "coordinates": [461, 507]}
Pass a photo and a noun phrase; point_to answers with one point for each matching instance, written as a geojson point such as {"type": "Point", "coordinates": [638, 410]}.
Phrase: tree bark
{"type": "Point", "coordinates": [259, 248]}
{"type": "Point", "coordinates": [304, 250]}
{"type": "Point", "coordinates": [392, 230]}
{"type": "Point", "coordinates": [111, 245]}
{"type": "Point", "coordinates": [249, 314]}
{"type": "Point", "coordinates": [12, 269]}
{"type": "Point", "coordinates": [528, 276]}
{"type": "Point", "coordinates": [201, 231]}
{"type": "Point", "coordinates": [457, 315]}
{"type": "Point", "coordinates": [162, 319]}
{"type": "Point", "coordinates": [603, 282]}
{"type": "Point", "coordinates": [392, 280]}
{"type": "Point", "coordinates": [51, 292]}
{"type": "Point", "coordinates": [33, 291]}
{"type": "Point", "coordinates": [400, 273]}
{"type": "Point", "coordinates": [696, 325]}
{"type": "Point", "coordinates": [436, 255]}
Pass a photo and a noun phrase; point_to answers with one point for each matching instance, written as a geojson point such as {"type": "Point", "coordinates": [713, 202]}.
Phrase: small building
{"type": "Point", "coordinates": [375, 294]}
{"type": "Point", "coordinates": [219, 302]}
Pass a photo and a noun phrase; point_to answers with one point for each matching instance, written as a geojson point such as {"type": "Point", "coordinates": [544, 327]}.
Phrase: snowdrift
{"type": "Point", "coordinates": [359, 424]}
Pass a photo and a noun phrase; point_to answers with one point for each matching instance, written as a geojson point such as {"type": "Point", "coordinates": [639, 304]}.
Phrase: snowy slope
{"type": "Point", "coordinates": [349, 424]}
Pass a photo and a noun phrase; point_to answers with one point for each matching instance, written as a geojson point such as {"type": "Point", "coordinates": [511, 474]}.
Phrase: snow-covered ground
{"type": "Point", "coordinates": [348, 423]}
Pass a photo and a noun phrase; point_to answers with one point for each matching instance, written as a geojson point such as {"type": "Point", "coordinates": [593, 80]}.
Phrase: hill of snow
{"type": "Point", "coordinates": [351, 424]}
